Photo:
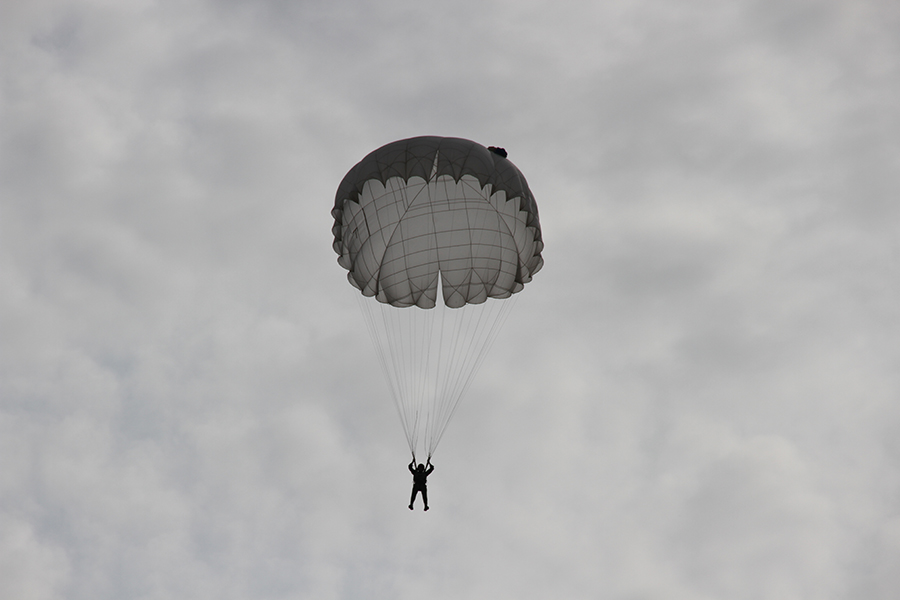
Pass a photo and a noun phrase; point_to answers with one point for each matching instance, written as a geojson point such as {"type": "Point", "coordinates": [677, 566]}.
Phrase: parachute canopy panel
{"type": "Point", "coordinates": [428, 208]}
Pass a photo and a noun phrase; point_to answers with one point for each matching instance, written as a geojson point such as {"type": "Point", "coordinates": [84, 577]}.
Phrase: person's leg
{"type": "Point", "coordinates": [425, 497]}
{"type": "Point", "coordinates": [412, 497]}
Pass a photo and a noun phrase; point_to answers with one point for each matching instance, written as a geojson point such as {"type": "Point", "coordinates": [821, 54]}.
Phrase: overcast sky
{"type": "Point", "coordinates": [697, 398]}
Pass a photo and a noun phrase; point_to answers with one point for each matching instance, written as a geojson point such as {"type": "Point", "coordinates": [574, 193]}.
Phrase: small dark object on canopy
{"type": "Point", "coordinates": [500, 151]}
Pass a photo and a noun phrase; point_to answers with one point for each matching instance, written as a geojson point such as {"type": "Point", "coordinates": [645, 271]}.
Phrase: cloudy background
{"type": "Point", "coordinates": [697, 398]}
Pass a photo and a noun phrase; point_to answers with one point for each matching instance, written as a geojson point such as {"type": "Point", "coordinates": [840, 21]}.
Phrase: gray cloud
{"type": "Point", "coordinates": [695, 398]}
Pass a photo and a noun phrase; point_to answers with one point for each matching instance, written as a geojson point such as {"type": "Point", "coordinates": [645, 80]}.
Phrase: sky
{"type": "Point", "coordinates": [697, 398]}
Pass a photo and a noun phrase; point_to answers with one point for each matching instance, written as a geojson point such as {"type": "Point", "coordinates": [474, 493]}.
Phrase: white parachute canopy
{"type": "Point", "coordinates": [437, 234]}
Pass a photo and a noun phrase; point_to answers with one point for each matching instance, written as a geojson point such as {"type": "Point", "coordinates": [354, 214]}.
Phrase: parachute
{"type": "Point", "coordinates": [437, 234]}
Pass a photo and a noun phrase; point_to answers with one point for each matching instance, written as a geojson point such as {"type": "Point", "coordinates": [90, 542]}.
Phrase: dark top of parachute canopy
{"type": "Point", "coordinates": [414, 157]}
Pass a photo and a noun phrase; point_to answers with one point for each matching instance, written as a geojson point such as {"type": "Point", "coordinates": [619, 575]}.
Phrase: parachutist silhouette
{"type": "Point", "coordinates": [420, 476]}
